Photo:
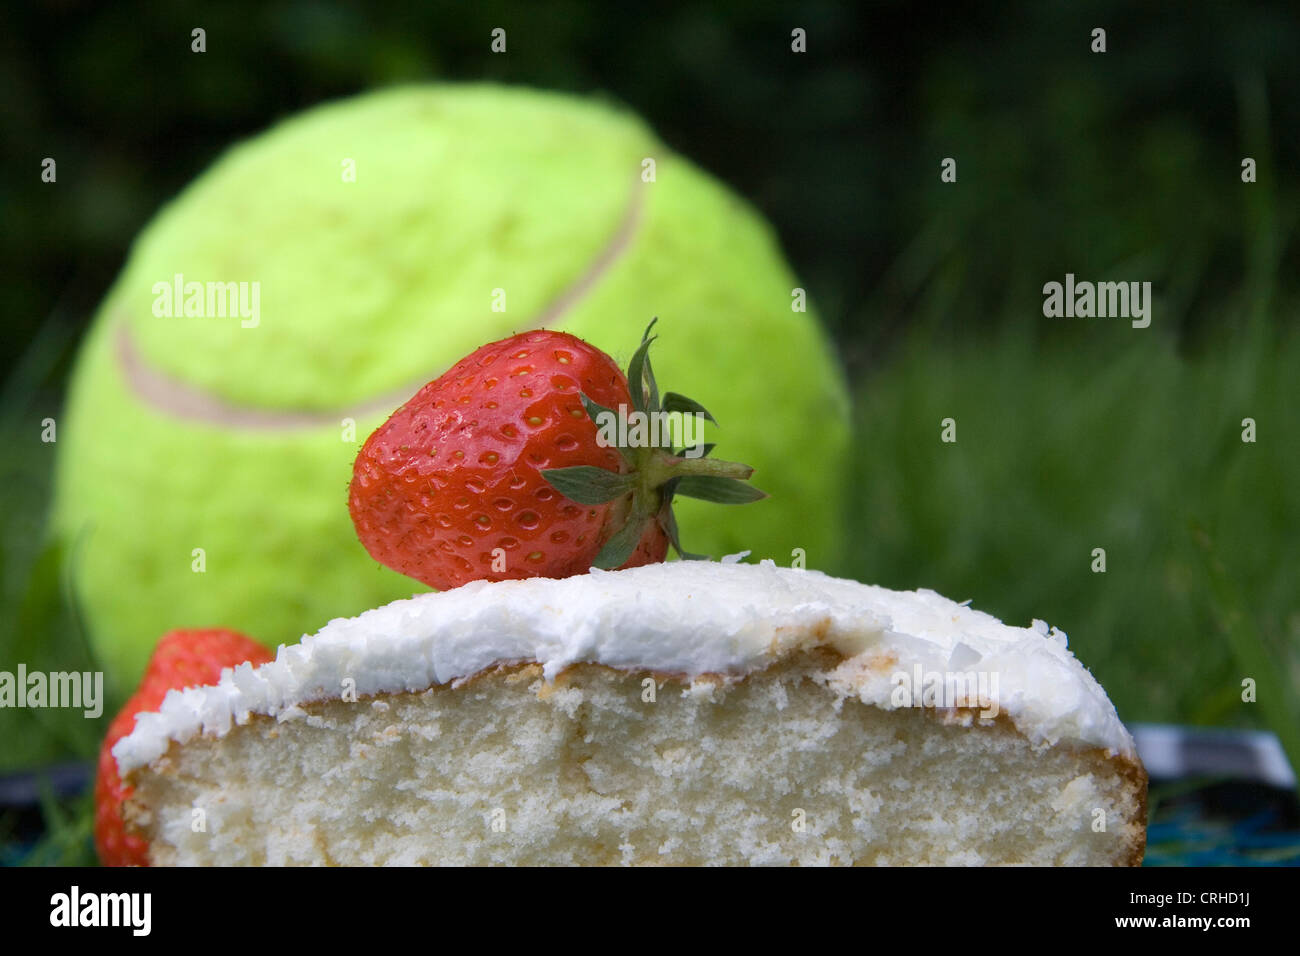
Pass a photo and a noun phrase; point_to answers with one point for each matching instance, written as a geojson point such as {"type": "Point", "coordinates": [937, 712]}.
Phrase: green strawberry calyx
{"type": "Point", "coordinates": [655, 473]}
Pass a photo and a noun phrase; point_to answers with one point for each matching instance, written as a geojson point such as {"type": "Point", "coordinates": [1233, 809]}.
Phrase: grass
{"type": "Point", "coordinates": [39, 625]}
{"type": "Point", "coordinates": [66, 838]}
{"type": "Point", "coordinates": [1115, 442]}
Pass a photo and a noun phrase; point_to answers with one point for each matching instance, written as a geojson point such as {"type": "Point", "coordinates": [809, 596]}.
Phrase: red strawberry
{"type": "Point", "coordinates": [497, 469]}
{"type": "Point", "coordinates": [181, 659]}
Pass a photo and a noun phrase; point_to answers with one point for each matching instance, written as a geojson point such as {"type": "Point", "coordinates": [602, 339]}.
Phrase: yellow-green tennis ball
{"type": "Point", "coordinates": [307, 284]}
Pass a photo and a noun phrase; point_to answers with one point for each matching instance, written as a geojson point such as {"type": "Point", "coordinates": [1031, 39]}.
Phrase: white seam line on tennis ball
{"type": "Point", "coordinates": [183, 400]}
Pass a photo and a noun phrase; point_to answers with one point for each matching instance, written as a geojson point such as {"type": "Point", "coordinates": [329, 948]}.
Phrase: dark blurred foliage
{"type": "Point", "coordinates": [1125, 163]}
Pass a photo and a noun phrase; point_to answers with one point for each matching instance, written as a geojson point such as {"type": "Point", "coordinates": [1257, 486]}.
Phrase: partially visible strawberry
{"type": "Point", "coordinates": [497, 469]}
{"type": "Point", "coordinates": [181, 659]}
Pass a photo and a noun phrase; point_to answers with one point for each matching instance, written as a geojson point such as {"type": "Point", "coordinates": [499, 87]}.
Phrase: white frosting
{"type": "Point", "coordinates": [685, 617]}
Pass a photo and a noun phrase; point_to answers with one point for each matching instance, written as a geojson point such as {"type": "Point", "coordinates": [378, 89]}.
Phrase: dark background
{"type": "Point", "coordinates": [1074, 160]}
{"type": "Point", "coordinates": [1074, 433]}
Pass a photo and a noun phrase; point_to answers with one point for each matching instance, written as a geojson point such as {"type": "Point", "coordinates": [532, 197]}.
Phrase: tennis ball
{"type": "Point", "coordinates": [316, 276]}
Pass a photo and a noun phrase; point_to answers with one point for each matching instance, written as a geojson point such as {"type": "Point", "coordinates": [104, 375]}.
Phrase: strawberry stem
{"type": "Point", "coordinates": [660, 468]}
{"type": "Point", "coordinates": [644, 490]}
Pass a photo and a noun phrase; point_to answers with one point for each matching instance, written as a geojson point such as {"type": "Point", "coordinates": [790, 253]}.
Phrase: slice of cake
{"type": "Point", "coordinates": [685, 713]}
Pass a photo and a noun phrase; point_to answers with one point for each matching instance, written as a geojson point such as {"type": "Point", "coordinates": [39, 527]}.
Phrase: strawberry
{"type": "Point", "coordinates": [181, 659]}
{"type": "Point", "coordinates": [523, 460]}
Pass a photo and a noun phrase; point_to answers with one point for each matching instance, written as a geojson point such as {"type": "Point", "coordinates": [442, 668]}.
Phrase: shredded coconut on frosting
{"type": "Point", "coordinates": [685, 617]}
